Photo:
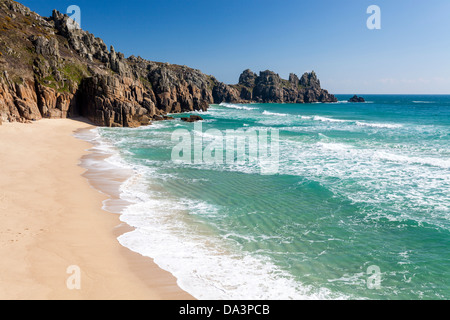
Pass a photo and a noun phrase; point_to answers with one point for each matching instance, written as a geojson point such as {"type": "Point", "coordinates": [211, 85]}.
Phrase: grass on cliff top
{"type": "Point", "coordinates": [75, 72]}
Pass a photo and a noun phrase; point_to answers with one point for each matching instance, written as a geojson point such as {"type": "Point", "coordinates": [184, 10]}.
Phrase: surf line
{"type": "Point", "coordinates": [230, 147]}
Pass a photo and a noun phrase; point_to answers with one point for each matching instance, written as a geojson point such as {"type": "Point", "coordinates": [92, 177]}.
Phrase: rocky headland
{"type": "Point", "coordinates": [269, 87]}
{"type": "Point", "coordinates": [50, 68]}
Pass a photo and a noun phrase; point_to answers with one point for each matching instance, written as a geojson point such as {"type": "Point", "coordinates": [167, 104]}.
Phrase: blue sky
{"type": "Point", "coordinates": [410, 54]}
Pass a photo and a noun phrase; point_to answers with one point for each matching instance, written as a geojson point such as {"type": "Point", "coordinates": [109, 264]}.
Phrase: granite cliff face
{"type": "Point", "coordinates": [269, 87]}
{"type": "Point", "coordinates": [50, 68]}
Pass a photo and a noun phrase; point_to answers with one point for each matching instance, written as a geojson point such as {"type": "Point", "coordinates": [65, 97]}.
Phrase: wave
{"type": "Point", "coordinates": [284, 118]}
{"type": "Point", "coordinates": [234, 106]}
{"type": "Point", "coordinates": [359, 123]}
{"type": "Point", "coordinates": [204, 265]}
{"type": "Point", "coordinates": [314, 117]}
{"type": "Point", "coordinates": [106, 168]}
{"type": "Point", "coordinates": [325, 119]}
{"type": "Point", "coordinates": [268, 113]}
{"type": "Point", "coordinates": [379, 125]}
{"type": "Point", "coordinates": [435, 162]}
{"type": "Point", "coordinates": [167, 230]}
{"type": "Point", "coordinates": [346, 101]}
{"type": "Point", "coordinates": [292, 117]}
{"type": "Point", "coordinates": [334, 146]}
{"type": "Point", "coordinates": [402, 184]}
{"type": "Point", "coordinates": [384, 155]}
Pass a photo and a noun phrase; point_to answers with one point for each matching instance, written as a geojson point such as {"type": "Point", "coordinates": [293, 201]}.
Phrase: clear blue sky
{"type": "Point", "coordinates": [410, 54]}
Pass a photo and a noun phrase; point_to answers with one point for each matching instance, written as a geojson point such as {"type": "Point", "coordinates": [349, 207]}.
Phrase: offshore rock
{"type": "Point", "coordinates": [192, 118]}
{"type": "Point", "coordinates": [355, 98]}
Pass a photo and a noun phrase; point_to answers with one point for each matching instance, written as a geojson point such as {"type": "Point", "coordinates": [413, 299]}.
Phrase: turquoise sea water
{"type": "Point", "coordinates": [359, 185]}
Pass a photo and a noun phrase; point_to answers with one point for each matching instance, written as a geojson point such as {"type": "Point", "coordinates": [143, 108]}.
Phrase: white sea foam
{"type": "Point", "coordinates": [325, 119]}
{"type": "Point", "coordinates": [334, 146]}
{"type": "Point", "coordinates": [200, 262]}
{"type": "Point", "coordinates": [205, 265]}
{"type": "Point", "coordinates": [403, 184]}
{"type": "Point", "coordinates": [239, 107]}
{"type": "Point", "coordinates": [379, 125]}
{"type": "Point", "coordinates": [103, 147]}
{"type": "Point", "coordinates": [268, 113]}
{"type": "Point", "coordinates": [349, 122]}
{"type": "Point", "coordinates": [437, 162]}
{"type": "Point", "coordinates": [358, 123]}
{"type": "Point", "coordinates": [171, 231]}
{"type": "Point", "coordinates": [107, 172]}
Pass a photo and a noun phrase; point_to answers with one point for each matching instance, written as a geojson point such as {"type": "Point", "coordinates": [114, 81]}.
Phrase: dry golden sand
{"type": "Point", "coordinates": [51, 218]}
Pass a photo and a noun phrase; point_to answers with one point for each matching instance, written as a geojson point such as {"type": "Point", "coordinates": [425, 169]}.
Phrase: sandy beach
{"type": "Point", "coordinates": [52, 223]}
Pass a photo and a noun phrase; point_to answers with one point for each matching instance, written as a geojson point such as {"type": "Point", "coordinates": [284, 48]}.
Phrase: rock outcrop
{"type": "Point", "coordinates": [224, 93]}
{"type": "Point", "coordinates": [269, 87]}
{"type": "Point", "coordinates": [84, 43]}
{"type": "Point", "coordinates": [51, 68]}
{"type": "Point", "coordinates": [355, 98]}
{"type": "Point", "coordinates": [18, 100]}
{"type": "Point", "coordinates": [192, 118]}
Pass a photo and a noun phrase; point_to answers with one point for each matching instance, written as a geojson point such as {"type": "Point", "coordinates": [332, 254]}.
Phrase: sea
{"type": "Point", "coordinates": [357, 208]}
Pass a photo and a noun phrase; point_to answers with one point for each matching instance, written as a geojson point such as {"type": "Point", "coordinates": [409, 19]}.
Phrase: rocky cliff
{"type": "Point", "coordinates": [50, 68]}
{"type": "Point", "coordinates": [269, 87]}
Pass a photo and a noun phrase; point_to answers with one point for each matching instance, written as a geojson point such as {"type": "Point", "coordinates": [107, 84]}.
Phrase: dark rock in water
{"type": "Point", "coordinates": [355, 98]}
{"type": "Point", "coordinates": [192, 118]}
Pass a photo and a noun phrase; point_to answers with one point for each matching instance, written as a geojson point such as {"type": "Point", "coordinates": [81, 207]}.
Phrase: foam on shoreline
{"type": "Point", "coordinates": [166, 230]}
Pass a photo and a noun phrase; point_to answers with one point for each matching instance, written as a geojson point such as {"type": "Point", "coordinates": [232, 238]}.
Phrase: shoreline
{"type": "Point", "coordinates": [52, 218]}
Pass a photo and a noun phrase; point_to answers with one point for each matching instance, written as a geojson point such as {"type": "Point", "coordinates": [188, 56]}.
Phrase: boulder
{"type": "Point", "coordinates": [192, 118]}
